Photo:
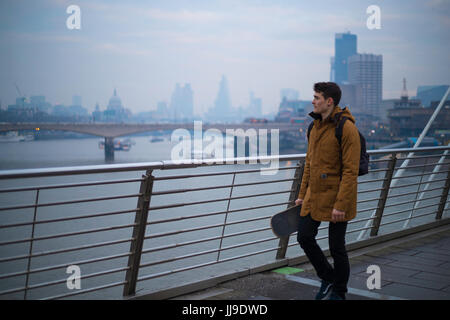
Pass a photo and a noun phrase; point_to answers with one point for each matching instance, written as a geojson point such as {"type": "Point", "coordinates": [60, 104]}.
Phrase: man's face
{"type": "Point", "coordinates": [320, 104]}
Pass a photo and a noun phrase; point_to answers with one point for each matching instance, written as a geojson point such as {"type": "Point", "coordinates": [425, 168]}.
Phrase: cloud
{"type": "Point", "coordinates": [260, 45]}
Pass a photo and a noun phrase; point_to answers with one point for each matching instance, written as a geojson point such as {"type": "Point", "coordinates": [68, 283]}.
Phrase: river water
{"type": "Point", "coordinates": [73, 152]}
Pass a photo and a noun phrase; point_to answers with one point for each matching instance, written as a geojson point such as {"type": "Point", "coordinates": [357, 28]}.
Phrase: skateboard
{"type": "Point", "coordinates": [286, 222]}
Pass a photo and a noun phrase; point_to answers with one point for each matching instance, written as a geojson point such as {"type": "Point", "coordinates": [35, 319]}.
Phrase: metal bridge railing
{"type": "Point", "coordinates": [151, 226]}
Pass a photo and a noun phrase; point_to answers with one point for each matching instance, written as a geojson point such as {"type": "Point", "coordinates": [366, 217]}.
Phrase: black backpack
{"type": "Point", "coordinates": [364, 156]}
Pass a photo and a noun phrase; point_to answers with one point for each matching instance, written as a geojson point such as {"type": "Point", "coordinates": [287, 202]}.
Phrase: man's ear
{"type": "Point", "coordinates": [330, 101]}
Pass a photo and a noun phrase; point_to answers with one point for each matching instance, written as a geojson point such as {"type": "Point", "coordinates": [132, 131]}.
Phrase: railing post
{"type": "Point", "coordinates": [284, 241]}
{"type": "Point", "coordinates": [226, 217]}
{"type": "Point", "coordinates": [30, 251]}
{"type": "Point", "coordinates": [383, 195]}
{"type": "Point", "coordinates": [443, 197]}
{"type": "Point", "coordinates": [140, 221]}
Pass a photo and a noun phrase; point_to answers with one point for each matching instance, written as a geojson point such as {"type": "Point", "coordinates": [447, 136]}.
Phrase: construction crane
{"type": "Point", "coordinates": [21, 96]}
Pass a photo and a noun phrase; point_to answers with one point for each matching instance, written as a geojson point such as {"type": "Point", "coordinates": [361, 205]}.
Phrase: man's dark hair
{"type": "Point", "coordinates": [329, 90]}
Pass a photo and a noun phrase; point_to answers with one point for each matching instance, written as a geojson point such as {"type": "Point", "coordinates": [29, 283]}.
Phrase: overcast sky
{"type": "Point", "coordinates": [143, 48]}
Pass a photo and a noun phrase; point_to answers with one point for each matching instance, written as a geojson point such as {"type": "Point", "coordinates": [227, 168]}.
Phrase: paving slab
{"type": "Point", "coordinates": [414, 260]}
{"type": "Point", "coordinates": [421, 267]}
{"type": "Point", "coordinates": [434, 250]}
{"type": "Point", "coordinates": [412, 292]}
{"type": "Point", "coordinates": [445, 280]}
{"type": "Point", "coordinates": [433, 256]}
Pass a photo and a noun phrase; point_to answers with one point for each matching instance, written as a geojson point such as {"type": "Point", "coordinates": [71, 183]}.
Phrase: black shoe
{"type": "Point", "coordinates": [324, 290]}
{"type": "Point", "coordinates": [336, 296]}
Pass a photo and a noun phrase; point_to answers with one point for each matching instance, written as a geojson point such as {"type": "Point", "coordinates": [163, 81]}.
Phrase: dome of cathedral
{"type": "Point", "coordinates": [114, 102]}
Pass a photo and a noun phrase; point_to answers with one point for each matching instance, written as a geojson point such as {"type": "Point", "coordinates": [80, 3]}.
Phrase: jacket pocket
{"type": "Point", "coordinates": [329, 187]}
{"type": "Point", "coordinates": [329, 183]}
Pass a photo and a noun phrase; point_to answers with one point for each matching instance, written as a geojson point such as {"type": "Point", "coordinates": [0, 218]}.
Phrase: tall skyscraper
{"type": "Point", "coordinates": [344, 47]}
{"type": "Point", "coordinates": [366, 71]}
{"type": "Point", "coordinates": [222, 104]}
{"type": "Point", "coordinates": [222, 110]}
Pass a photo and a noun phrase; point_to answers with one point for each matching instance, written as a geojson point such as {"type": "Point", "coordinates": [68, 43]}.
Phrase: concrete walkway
{"type": "Point", "coordinates": [413, 267]}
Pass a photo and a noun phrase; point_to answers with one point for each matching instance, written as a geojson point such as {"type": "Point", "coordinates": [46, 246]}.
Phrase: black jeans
{"type": "Point", "coordinates": [306, 236]}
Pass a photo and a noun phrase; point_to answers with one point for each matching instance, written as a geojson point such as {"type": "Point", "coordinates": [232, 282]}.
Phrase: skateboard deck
{"type": "Point", "coordinates": [286, 222]}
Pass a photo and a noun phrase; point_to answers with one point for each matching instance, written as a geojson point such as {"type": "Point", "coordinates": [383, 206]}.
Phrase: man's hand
{"type": "Point", "coordinates": [337, 216]}
{"type": "Point", "coordinates": [298, 202]}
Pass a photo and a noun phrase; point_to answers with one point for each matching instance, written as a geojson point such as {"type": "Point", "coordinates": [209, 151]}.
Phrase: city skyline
{"type": "Point", "coordinates": [143, 49]}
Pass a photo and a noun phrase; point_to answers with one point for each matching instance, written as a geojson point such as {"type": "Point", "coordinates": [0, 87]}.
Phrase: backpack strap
{"type": "Point", "coordinates": [339, 129]}
{"type": "Point", "coordinates": [338, 133]}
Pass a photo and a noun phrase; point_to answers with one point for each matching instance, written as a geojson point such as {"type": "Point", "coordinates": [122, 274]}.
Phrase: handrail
{"type": "Point", "coordinates": [161, 165]}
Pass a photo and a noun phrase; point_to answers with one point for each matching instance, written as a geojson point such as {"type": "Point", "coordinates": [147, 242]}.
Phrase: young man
{"type": "Point", "coordinates": [329, 188]}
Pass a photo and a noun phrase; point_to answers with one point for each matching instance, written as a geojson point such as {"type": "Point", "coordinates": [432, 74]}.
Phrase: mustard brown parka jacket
{"type": "Point", "coordinates": [322, 187]}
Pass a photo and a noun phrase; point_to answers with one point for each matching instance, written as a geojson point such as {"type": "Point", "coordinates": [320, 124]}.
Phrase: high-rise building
{"type": "Point", "coordinates": [76, 100]}
{"type": "Point", "coordinates": [182, 102]}
{"type": "Point", "coordinates": [290, 109]}
{"type": "Point", "coordinates": [188, 99]}
{"type": "Point", "coordinates": [221, 111]}
{"type": "Point", "coordinates": [76, 108]}
{"type": "Point", "coordinates": [161, 110]}
{"type": "Point", "coordinates": [332, 71]}
{"type": "Point", "coordinates": [255, 107]}
{"type": "Point", "coordinates": [222, 104]}
{"type": "Point", "coordinates": [352, 97]}
{"type": "Point", "coordinates": [366, 70]}
{"type": "Point", "coordinates": [344, 47]}
{"type": "Point", "coordinates": [175, 102]}
{"type": "Point", "coordinates": [40, 103]}
{"type": "Point", "coordinates": [97, 114]}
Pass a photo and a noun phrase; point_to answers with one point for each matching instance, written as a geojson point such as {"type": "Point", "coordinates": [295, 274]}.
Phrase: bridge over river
{"type": "Point", "coordinates": [113, 130]}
